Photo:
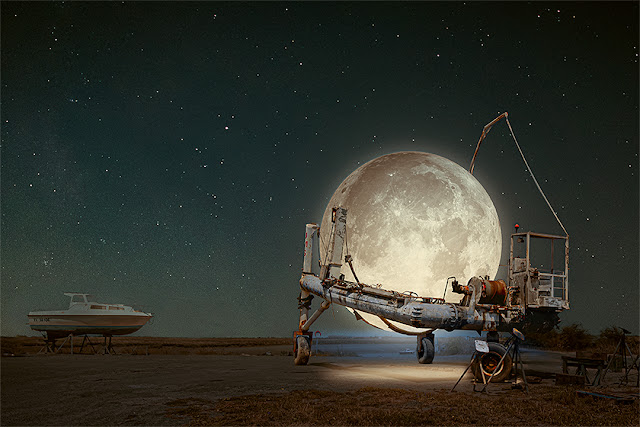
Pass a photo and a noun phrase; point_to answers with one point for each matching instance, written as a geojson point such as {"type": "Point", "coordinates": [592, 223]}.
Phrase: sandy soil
{"type": "Point", "coordinates": [140, 390]}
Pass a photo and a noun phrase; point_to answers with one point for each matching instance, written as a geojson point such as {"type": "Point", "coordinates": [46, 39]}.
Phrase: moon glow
{"type": "Point", "coordinates": [414, 219]}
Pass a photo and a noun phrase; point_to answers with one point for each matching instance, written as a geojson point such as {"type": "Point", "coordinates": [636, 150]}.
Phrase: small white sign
{"type": "Point", "coordinates": [482, 346]}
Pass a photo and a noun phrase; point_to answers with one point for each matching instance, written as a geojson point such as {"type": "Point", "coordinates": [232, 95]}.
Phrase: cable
{"type": "Point", "coordinates": [485, 132]}
{"type": "Point", "coordinates": [534, 178]}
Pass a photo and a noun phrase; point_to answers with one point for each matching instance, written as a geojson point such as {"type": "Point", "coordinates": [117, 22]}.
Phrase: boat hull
{"type": "Point", "coordinates": [60, 325]}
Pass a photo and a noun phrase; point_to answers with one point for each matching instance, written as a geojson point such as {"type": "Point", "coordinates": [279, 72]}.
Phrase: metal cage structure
{"type": "Point", "coordinates": [536, 285]}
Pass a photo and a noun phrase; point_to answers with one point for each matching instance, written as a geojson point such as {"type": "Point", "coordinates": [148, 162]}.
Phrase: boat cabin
{"type": "Point", "coordinates": [89, 301]}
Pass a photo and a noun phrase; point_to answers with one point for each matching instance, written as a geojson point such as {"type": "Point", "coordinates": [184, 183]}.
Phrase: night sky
{"type": "Point", "coordinates": [168, 155]}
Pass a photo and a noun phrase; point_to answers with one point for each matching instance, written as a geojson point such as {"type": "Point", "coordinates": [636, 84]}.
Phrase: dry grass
{"type": "Point", "coordinates": [147, 345]}
{"type": "Point", "coordinates": [545, 405]}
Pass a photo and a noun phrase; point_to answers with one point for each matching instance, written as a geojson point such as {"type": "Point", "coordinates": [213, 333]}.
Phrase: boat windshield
{"type": "Point", "coordinates": [77, 298]}
{"type": "Point", "coordinates": [91, 298]}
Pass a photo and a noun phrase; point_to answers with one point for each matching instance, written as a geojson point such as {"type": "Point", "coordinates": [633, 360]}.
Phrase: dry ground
{"type": "Point", "coordinates": [544, 405]}
{"type": "Point", "coordinates": [254, 382]}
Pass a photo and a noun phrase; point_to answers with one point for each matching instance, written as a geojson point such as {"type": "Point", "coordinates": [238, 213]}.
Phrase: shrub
{"type": "Point", "coordinates": [574, 337]}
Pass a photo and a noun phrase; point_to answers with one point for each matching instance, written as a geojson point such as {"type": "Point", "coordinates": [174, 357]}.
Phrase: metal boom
{"type": "Point", "coordinates": [486, 305]}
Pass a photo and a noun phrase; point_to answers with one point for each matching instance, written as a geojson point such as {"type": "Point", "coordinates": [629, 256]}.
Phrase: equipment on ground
{"type": "Point", "coordinates": [621, 350]}
{"type": "Point", "coordinates": [533, 294]}
{"type": "Point", "coordinates": [494, 369]}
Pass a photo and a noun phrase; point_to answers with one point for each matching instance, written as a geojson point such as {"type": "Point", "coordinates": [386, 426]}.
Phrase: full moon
{"type": "Point", "coordinates": [413, 220]}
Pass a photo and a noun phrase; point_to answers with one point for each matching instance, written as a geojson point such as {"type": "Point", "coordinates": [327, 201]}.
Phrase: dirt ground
{"type": "Point", "coordinates": [234, 389]}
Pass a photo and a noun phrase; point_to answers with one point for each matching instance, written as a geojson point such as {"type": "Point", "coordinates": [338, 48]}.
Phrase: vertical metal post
{"type": "Point", "coordinates": [310, 237]}
{"type": "Point", "coordinates": [338, 242]}
{"type": "Point", "coordinates": [566, 268]}
{"type": "Point", "coordinates": [528, 266]}
{"type": "Point", "coordinates": [511, 262]}
{"type": "Point", "coordinates": [553, 285]}
{"type": "Point", "coordinates": [304, 311]}
{"type": "Point", "coordinates": [334, 251]}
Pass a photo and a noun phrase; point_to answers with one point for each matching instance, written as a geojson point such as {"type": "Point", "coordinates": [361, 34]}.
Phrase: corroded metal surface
{"type": "Point", "coordinates": [486, 305]}
{"type": "Point", "coordinates": [532, 294]}
{"type": "Point", "coordinates": [400, 308]}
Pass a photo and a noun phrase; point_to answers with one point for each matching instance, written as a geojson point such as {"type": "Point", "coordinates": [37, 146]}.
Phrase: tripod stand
{"type": "Point", "coordinates": [512, 343]}
{"type": "Point", "coordinates": [621, 349]}
{"type": "Point", "coordinates": [481, 347]}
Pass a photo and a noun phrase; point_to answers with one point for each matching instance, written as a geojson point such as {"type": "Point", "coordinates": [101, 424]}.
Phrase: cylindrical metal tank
{"type": "Point", "coordinates": [494, 292]}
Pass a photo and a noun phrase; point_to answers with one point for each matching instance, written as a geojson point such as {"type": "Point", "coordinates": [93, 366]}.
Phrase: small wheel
{"type": "Point", "coordinates": [488, 363]}
{"type": "Point", "coordinates": [303, 350]}
{"type": "Point", "coordinates": [425, 352]}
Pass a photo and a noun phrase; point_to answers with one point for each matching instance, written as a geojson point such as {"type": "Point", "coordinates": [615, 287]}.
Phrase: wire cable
{"type": "Point", "coordinates": [533, 177]}
{"type": "Point", "coordinates": [485, 132]}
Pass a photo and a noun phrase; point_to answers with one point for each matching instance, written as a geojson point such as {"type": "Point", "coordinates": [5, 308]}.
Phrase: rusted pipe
{"type": "Point", "coordinates": [413, 313]}
{"type": "Point", "coordinates": [305, 327]}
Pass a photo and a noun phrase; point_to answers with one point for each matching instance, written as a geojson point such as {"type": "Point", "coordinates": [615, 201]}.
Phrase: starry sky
{"type": "Point", "coordinates": [168, 155]}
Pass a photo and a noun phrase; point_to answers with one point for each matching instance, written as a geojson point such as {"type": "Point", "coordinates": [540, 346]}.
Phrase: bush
{"type": "Point", "coordinates": [608, 339]}
{"type": "Point", "coordinates": [548, 339]}
{"type": "Point", "coordinates": [574, 337]}
{"type": "Point", "coordinates": [569, 338]}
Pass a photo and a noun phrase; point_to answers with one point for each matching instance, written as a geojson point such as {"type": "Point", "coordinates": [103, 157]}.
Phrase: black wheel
{"type": "Point", "coordinates": [425, 352]}
{"type": "Point", "coordinates": [303, 350]}
{"type": "Point", "coordinates": [488, 363]}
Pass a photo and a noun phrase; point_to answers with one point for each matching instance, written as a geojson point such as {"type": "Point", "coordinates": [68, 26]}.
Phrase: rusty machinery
{"type": "Point", "coordinates": [536, 291]}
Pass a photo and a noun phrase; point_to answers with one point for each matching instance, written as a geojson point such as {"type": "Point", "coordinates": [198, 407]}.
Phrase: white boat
{"type": "Point", "coordinates": [85, 316]}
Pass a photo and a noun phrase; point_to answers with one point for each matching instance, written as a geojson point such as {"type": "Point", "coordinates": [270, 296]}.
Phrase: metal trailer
{"type": "Point", "coordinates": [533, 295]}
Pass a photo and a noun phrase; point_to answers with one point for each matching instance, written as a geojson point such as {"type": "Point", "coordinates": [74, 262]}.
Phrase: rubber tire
{"type": "Point", "coordinates": [496, 351]}
{"type": "Point", "coordinates": [425, 352]}
{"type": "Point", "coordinates": [303, 350]}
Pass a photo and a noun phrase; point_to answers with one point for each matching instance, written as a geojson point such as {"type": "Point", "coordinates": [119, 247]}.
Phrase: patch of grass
{"type": "Point", "coordinates": [545, 405]}
{"type": "Point", "coordinates": [194, 409]}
